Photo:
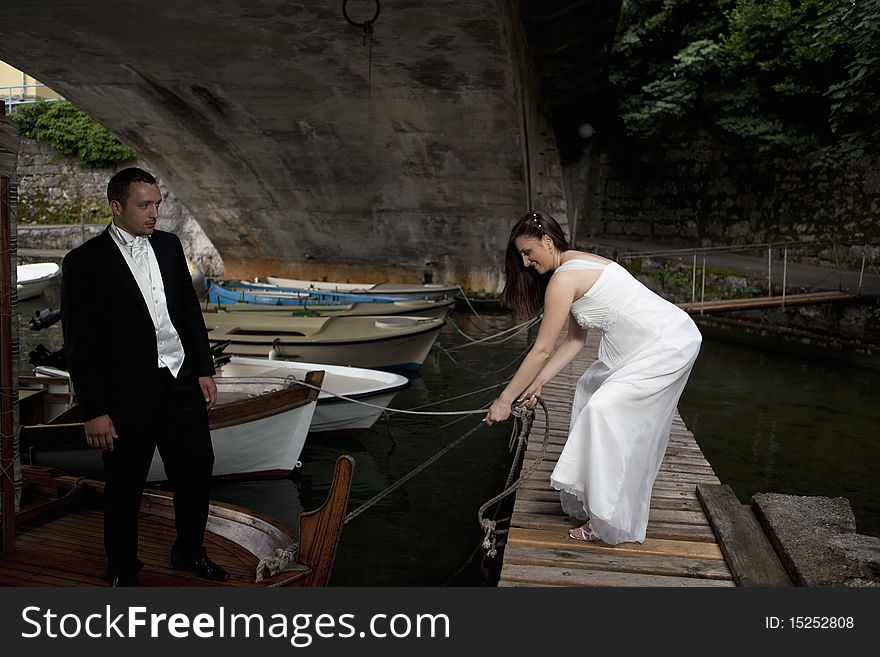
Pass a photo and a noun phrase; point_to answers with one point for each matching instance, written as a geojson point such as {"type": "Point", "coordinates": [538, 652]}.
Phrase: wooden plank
{"type": "Point", "coordinates": [747, 550]}
{"type": "Point", "coordinates": [617, 560]}
{"type": "Point", "coordinates": [658, 546]}
{"type": "Point", "coordinates": [766, 302]}
{"type": "Point", "coordinates": [558, 575]}
{"type": "Point", "coordinates": [693, 516]}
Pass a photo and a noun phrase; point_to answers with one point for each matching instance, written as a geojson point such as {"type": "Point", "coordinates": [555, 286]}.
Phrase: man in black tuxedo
{"type": "Point", "coordinates": [141, 367]}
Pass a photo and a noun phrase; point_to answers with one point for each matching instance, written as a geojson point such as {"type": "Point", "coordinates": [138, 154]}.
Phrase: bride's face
{"type": "Point", "coordinates": [536, 253]}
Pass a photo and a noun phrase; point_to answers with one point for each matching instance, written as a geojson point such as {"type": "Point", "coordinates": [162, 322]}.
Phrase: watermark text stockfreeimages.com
{"type": "Point", "coordinates": [300, 630]}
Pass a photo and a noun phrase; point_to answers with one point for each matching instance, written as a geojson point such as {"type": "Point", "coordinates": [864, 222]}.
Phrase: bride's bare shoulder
{"type": "Point", "coordinates": [583, 255]}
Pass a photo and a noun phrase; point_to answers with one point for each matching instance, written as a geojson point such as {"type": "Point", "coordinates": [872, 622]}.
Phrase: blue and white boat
{"type": "Point", "coordinates": [245, 300]}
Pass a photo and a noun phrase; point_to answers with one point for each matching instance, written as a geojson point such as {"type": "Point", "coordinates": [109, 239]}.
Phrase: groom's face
{"type": "Point", "coordinates": [140, 211]}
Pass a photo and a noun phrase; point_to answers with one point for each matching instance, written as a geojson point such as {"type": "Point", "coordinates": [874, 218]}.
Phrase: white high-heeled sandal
{"type": "Point", "coordinates": [584, 533]}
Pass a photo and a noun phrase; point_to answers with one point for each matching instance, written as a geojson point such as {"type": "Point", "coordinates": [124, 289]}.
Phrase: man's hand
{"type": "Point", "coordinates": [209, 390]}
{"type": "Point", "coordinates": [100, 432]}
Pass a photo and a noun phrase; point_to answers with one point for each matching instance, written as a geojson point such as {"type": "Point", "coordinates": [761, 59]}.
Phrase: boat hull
{"type": "Point", "coordinates": [396, 289]}
{"type": "Point", "coordinates": [261, 435]}
{"type": "Point", "coordinates": [32, 280]}
{"type": "Point", "coordinates": [232, 300]}
{"type": "Point", "coordinates": [333, 415]}
{"type": "Point", "coordinates": [400, 343]}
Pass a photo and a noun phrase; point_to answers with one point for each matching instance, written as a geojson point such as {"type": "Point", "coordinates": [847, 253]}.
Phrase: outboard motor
{"type": "Point", "coordinates": [40, 355]}
{"type": "Point", "coordinates": [44, 318]}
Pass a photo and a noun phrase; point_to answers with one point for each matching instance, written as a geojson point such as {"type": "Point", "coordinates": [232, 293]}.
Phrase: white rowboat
{"type": "Point", "coordinates": [376, 342]}
{"type": "Point", "coordinates": [32, 280]}
{"type": "Point", "coordinates": [394, 289]}
{"type": "Point", "coordinates": [333, 415]}
{"type": "Point", "coordinates": [258, 429]}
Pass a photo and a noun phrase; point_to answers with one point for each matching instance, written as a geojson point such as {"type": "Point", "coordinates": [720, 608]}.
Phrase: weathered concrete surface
{"type": "Point", "coordinates": [816, 539]}
{"type": "Point", "coordinates": [53, 187]}
{"type": "Point", "coordinates": [294, 152]}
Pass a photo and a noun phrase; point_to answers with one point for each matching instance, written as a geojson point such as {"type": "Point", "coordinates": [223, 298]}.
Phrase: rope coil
{"type": "Point", "coordinates": [527, 417]}
{"type": "Point", "coordinates": [281, 560]}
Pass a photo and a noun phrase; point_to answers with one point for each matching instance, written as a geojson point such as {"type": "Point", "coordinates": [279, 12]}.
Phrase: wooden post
{"type": "Point", "coordinates": [769, 273]}
{"type": "Point", "coordinates": [7, 425]}
{"type": "Point", "coordinates": [784, 272]}
{"type": "Point", "coordinates": [703, 289]}
{"type": "Point", "coordinates": [694, 281]}
{"type": "Point", "coordinates": [862, 271]}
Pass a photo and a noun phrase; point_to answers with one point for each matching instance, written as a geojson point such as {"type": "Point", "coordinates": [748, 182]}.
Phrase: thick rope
{"type": "Point", "coordinates": [283, 559]}
{"type": "Point", "coordinates": [489, 526]}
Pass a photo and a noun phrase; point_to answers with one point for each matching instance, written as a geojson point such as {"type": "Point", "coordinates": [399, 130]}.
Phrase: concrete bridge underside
{"type": "Point", "coordinates": [300, 145]}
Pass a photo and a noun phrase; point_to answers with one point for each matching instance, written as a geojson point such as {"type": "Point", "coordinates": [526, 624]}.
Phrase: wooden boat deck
{"type": "Point", "coordinates": [59, 536]}
{"type": "Point", "coordinates": [69, 551]}
{"type": "Point", "coordinates": [680, 549]}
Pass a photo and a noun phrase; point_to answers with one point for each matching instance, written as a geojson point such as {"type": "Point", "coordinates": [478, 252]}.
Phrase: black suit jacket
{"type": "Point", "coordinates": [109, 338]}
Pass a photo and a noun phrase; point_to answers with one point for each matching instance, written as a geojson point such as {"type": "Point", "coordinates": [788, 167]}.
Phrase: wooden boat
{"type": "Point", "coordinates": [422, 290]}
{"type": "Point", "coordinates": [56, 537]}
{"type": "Point", "coordinates": [59, 537]}
{"type": "Point", "coordinates": [244, 300]}
{"type": "Point", "coordinates": [32, 280]}
{"type": "Point", "coordinates": [258, 429]}
{"type": "Point", "coordinates": [333, 415]}
{"type": "Point", "coordinates": [379, 342]}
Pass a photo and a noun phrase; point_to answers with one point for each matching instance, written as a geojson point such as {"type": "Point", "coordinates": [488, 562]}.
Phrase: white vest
{"type": "Point", "coordinates": [149, 279]}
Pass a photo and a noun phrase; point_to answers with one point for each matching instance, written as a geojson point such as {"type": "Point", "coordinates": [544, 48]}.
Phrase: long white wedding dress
{"type": "Point", "coordinates": [624, 403]}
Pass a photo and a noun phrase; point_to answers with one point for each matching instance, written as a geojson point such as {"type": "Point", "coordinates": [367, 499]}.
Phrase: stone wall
{"type": "Point", "coordinates": [62, 202]}
{"type": "Point", "coordinates": [719, 200]}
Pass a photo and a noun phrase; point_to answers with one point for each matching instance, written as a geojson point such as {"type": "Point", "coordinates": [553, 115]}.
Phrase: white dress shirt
{"type": "Point", "coordinates": [141, 260]}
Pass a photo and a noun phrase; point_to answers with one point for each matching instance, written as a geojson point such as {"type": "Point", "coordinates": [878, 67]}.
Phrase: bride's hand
{"type": "Point", "coordinates": [529, 398]}
{"type": "Point", "coordinates": [498, 412]}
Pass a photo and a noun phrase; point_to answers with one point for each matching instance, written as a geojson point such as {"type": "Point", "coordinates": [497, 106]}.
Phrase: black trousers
{"type": "Point", "coordinates": [178, 426]}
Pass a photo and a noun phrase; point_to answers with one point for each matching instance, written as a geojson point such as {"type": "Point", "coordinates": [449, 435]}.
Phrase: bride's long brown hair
{"type": "Point", "coordinates": [524, 287]}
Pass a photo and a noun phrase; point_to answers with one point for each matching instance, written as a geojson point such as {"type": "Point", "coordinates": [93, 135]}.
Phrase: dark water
{"type": "Point", "coordinates": [771, 421]}
{"type": "Point", "coordinates": [766, 422]}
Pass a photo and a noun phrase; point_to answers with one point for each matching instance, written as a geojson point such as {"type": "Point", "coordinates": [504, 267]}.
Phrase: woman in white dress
{"type": "Point", "coordinates": [624, 403]}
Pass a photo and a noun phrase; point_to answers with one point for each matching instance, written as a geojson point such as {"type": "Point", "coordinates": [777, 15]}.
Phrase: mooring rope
{"type": "Point", "coordinates": [366, 505]}
{"type": "Point", "coordinates": [513, 331]}
{"type": "Point", "coordinates": [467, 301]}
{"type": "Point", "coordinates": [513, 361]}
{"type": "Point", "coordinates": [527, 416]}
{"type": "Point", "coordinates": [387, 409]}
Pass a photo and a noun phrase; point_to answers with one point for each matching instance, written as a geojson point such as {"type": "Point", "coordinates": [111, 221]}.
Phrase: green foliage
{"type": "Point", "coordinates": [784, 77]}
{"type": "Point", "coordinates": [67, 128]}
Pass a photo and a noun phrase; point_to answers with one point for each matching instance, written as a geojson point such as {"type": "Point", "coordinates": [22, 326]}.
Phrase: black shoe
{"type": "Point", "coordinates": [125, 580]}
{"type": "Point", "coordinates": [204, 568]}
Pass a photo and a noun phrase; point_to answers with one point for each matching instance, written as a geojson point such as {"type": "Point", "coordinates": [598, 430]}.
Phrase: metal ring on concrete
{"type": "Point", "coordinates": [365, 24]}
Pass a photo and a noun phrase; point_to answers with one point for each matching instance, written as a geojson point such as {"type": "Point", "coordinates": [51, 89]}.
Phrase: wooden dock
{"type": "Point", "coordinates": [680, 548]}
{"type": "Point", "coordinates": [726, 305]}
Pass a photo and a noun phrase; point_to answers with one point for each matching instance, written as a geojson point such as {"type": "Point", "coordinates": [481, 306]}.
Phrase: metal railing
{"type": "Point", "coordinates": [17, 95]}
{"type": "Point", "coordinates": [781, 249]}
